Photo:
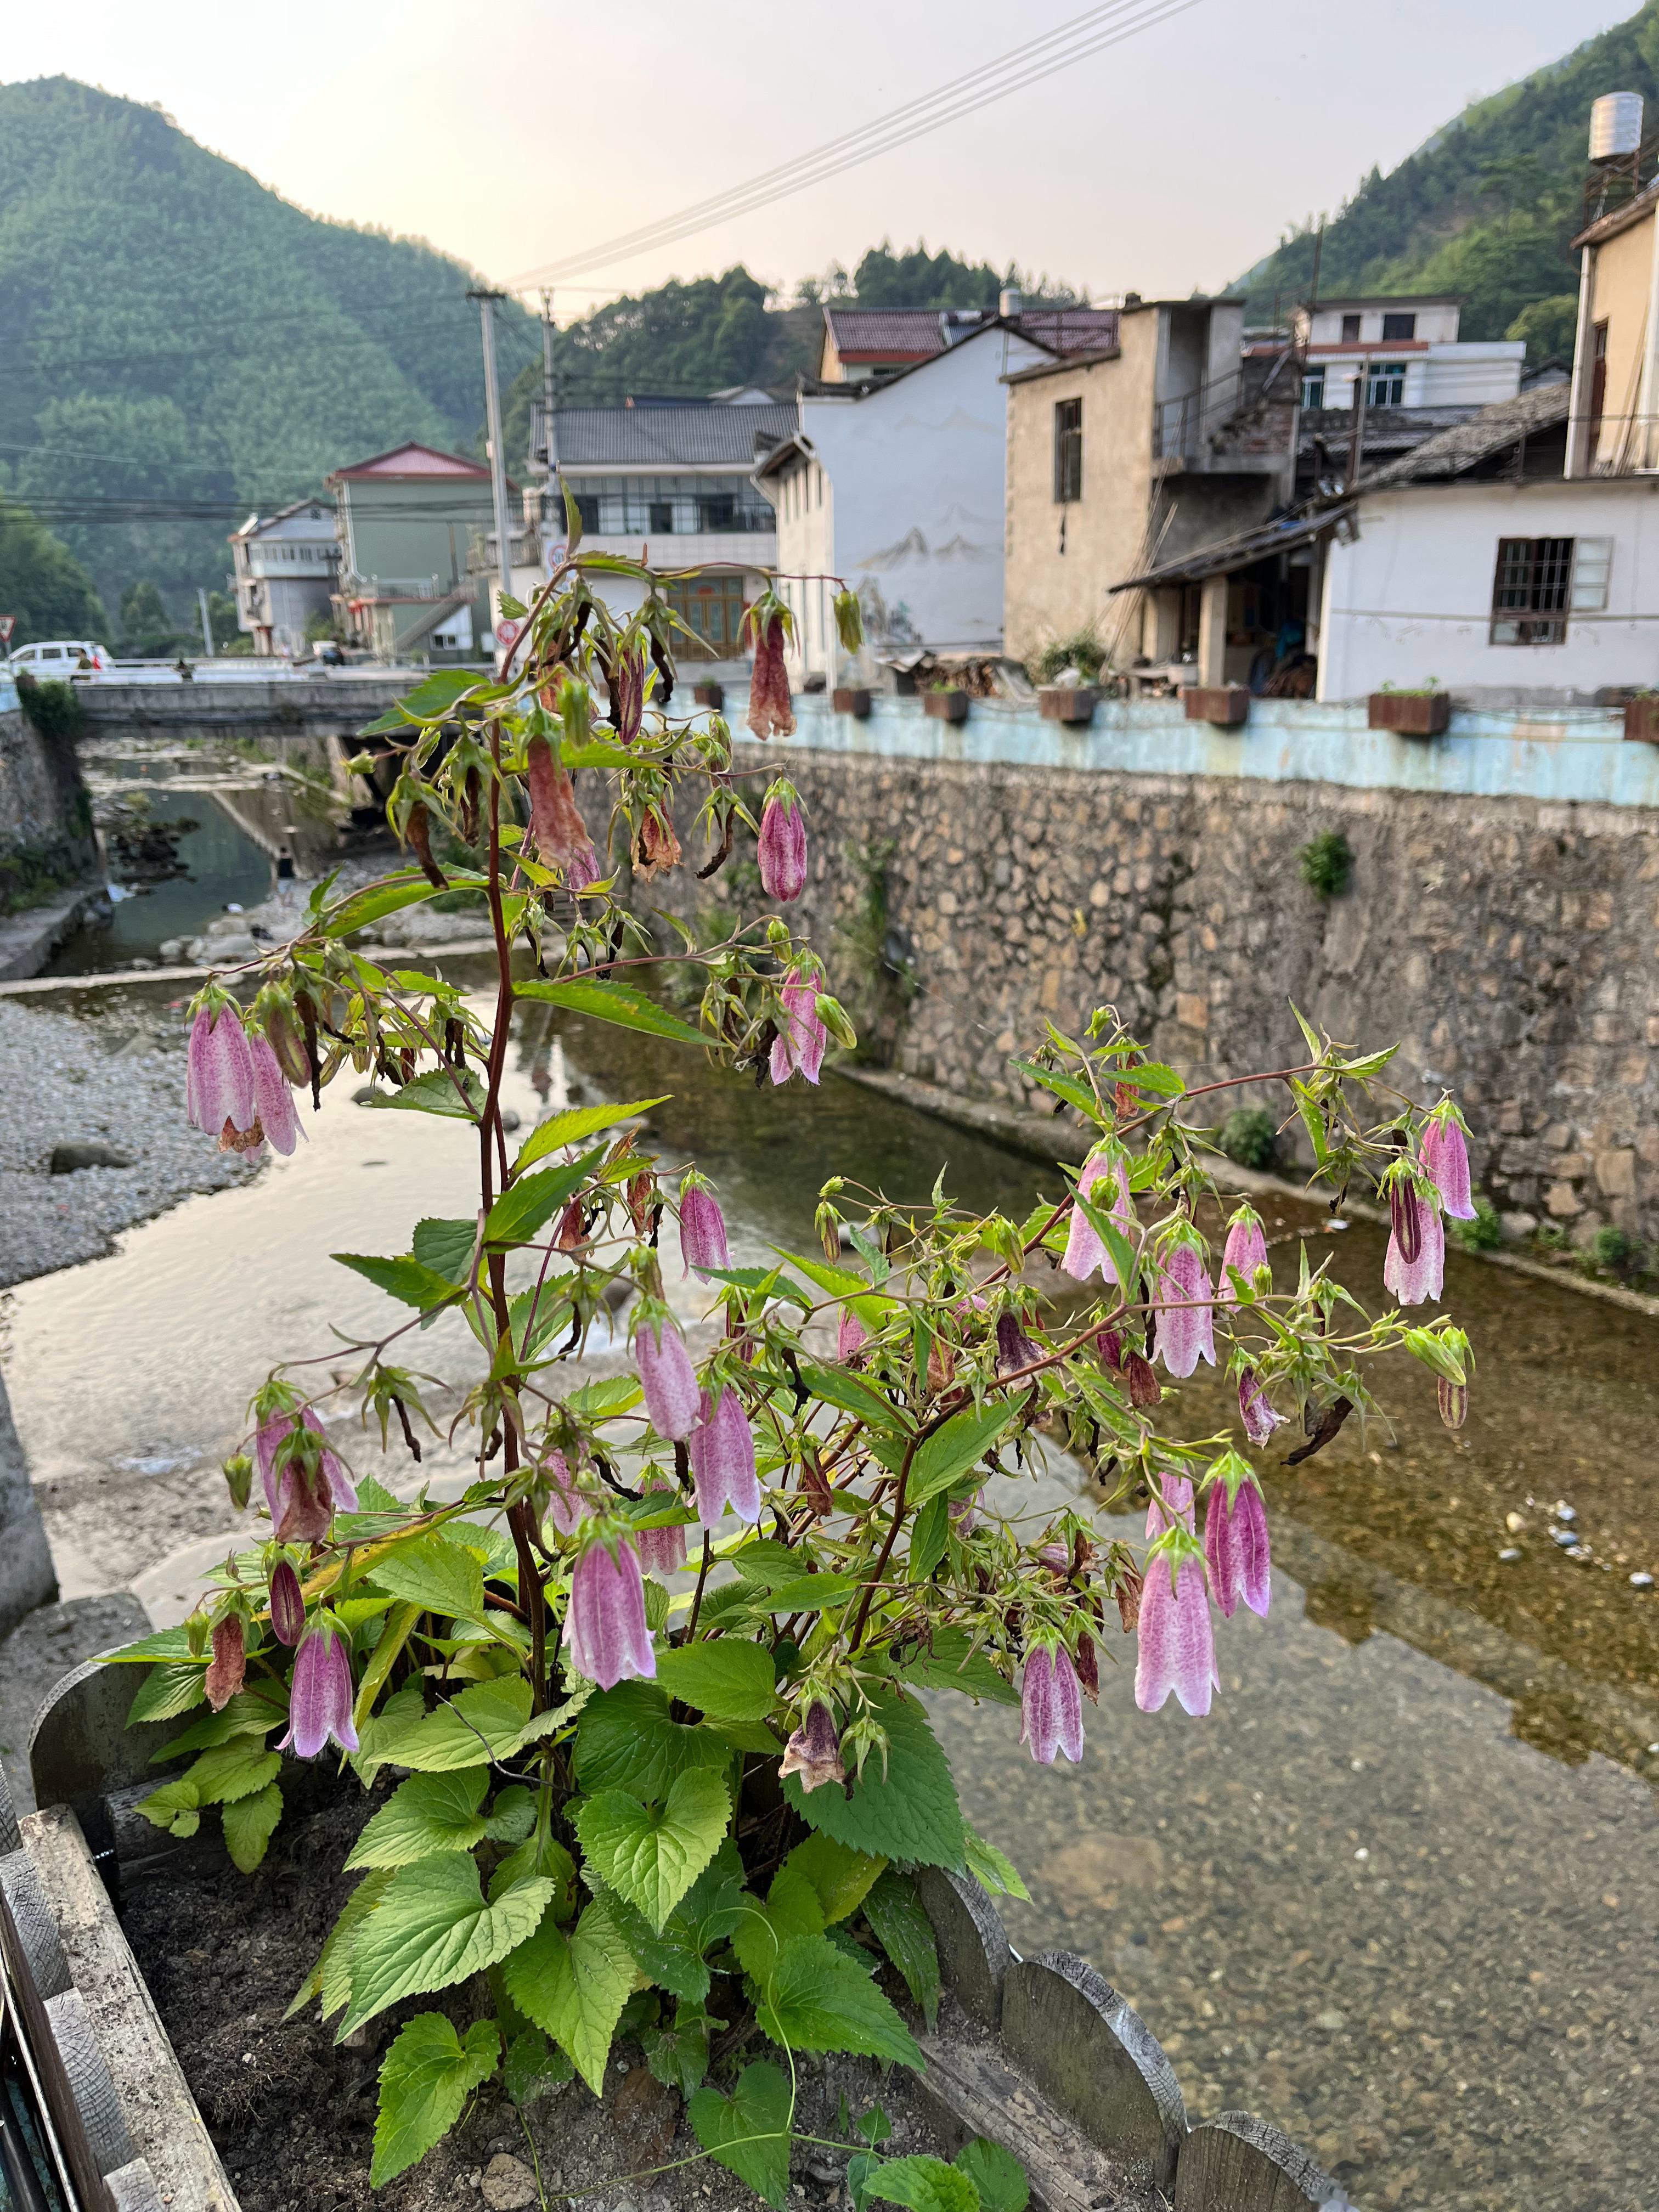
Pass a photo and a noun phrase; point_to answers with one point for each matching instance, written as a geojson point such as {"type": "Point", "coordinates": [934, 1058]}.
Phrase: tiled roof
{"type": "Point", "coordinates": [920, 333]}
{"type": "Point", "coordinates": [412, 461]}
{"type": "Point", "coordinates": [1465, 443]}
{"type": "Point", "coordinates": [665, 437]}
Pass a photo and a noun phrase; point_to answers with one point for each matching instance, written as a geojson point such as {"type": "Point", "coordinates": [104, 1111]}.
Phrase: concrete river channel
{"type": "Point", "coordinates": [1398, 1894]}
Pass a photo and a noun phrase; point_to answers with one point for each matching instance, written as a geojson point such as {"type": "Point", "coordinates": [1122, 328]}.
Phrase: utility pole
{"type": "Point", "coordinates": [492, 418]}
{"type": "Point", "coordinates": [1357, 449]}
{"type": "Point", "coordinates": [207, 626]}
{"type": "Point", "coordinates": [555, 504]}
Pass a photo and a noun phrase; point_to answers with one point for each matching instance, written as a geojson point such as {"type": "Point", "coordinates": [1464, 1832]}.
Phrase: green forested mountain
{"type": "Point", "coordinates": [1486, 206]}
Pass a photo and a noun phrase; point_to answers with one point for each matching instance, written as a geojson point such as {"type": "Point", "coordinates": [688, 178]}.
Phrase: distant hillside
{"type": "Point", "coordinates": [174, 335]}
{"type": "Point", "coordinates": [1486, 206]}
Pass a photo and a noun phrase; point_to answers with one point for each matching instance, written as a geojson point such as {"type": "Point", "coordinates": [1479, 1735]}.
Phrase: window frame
{"type": "Point", "coordinates": [1313, 388]}
{"type": "Point", "coordinates": [1532, 593]}
{"type": "Point", "coordinates": [1403, 330]}
{"type": "Point", "coordinates": [1068, 451]}
{"type": "Point", "coordinates": [1385, 384]}
{"type": "Point", "coordinates": [1352, 329]}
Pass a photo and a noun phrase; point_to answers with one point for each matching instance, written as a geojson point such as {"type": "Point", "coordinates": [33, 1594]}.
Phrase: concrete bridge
{"type": "Point", "coordinates": [328, 704]}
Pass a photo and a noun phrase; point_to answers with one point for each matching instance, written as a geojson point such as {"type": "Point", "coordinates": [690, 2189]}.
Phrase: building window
{"type": "Point", "coordinates": [1385, 384]}
{"type": "Point", "coordinates": [1592, 563]}
{"type": "Point", "coordinates": [1531, 590]}
{"type": "Point", "coordinates": [1068, 450]}
{"type": "Point", "coordinates": [1351, 329]}
{"type": "Point", "coordinates": [711, 607]}
{"type": "Point", "coordinates": [1398, 330]}
{"type": "Point", "coordinates": [1313, 388]}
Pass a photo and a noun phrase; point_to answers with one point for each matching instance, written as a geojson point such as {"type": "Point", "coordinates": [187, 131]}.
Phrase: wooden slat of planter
{"type": "Point", "coordinates": [160, 2113]}
{"type": "Point", "coordinates": [1237, 2163]}
{"type": "Point", "coordinates": [974, 2091]}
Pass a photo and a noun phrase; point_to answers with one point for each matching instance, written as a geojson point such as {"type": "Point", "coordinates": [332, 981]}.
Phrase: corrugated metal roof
{"type": "Point", "coordinates": [1487, 431]}
{"type": "Point", "coordinates": [667, 437]}
{"type": "Point", "coordinates": [1223, 555]}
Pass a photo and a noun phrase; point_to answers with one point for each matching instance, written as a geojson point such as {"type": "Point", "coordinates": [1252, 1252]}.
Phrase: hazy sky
{"type": "Point", "coordinates": [1171, 161]}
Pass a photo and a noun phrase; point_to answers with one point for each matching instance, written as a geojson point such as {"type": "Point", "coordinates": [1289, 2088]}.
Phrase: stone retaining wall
{"type": "Point", "coordinates": [45, 822]}
{"type": "Point", "coordinates": [1507, 944]}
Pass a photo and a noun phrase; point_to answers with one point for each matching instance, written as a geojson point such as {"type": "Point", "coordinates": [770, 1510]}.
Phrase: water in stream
{"type": "Point", "coordinates": [1398, 1894]}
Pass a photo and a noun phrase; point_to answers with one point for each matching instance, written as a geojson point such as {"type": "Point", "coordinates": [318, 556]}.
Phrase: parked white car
{"type": "Point", "coordinates": [59, 657]}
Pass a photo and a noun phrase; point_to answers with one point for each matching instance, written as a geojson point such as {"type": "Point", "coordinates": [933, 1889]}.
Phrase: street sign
{"type": "Point", "coordinates": [8, 624]}
{"type": "Point", "coordinates": [506, 633]}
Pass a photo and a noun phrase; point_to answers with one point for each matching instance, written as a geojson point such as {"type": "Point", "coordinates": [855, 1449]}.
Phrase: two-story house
{"type": "Point", "coordinates": [286, 569]}
{"type": "Point", "coordinates": [415, 527]}
{"type": "Point", "coordinates": [1407, 352]}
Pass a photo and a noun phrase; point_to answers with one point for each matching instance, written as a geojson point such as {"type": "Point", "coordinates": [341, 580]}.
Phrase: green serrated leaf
{"type": "Point", "coordinates": [166, 1643]}
{"type": "Point", "coordinates": [250, 1824]}
{"type": "Point", "coordinates": [729, 1682]}
{"type": "Point", "coordinates": [1063, 1086]}
{"type": "Point", "coordinates": [425, 2077]}
{"type": "Point", "coordinates": [953, 1663]}
{"type": "Point", "coordinates": [627, 1741]}
{"type": "Point", "coordinates": [749, 2131]}
{"type": "Point", "coordinates": [511, 1816]}
{"type": "Point", "coordinates": [234, 1770]}
{"type": "Point", "coordinates": [174, 1806]}
{"type": "Point", "coordinates": [924, 2183]}
{"type": "Point", "coordinates": [575, 1122]}
{"type": "Point", "coordinates": [903, 1928]}
{"type": "Point", "coordinates": [911, 1813]}
{"type": "Point", "coordinates": [518, 1214]}
{"type": "Point", "coordinates": [432, 1929]}
{"type": "Point", "coordinates": [375, 901]}
{"type": "Point", "coordinates": [430, 1570]}
{"type": "Point", "coordinates": [481, 1723]}
{"type": "Point", "coordinates": [839, 1386]}
{"type": "Point", "coordinates": [250, 1712]}
{"type": "Point", "coordinates": [533, 2068]}
{"type": "Point", "coordinates": [997, 2175]}
{"type": "Point", "coordinates": [817, 1999]}
{"type": "Point", "coordinates": [168, 1690]}
{"type": "Point", "coordinates": [445, 1246]}
{"type": "Point", "coordinates": [678, 2056]}
{"type": "Point", "coordinates": [451, 1093]}
{"type": "Point", "coordinates": [992, 1870]}
{"type": "Point", "coordinates": [404, 1280]}
{"type": "Point", "coordinates": [949, 1453]}
{"type": "Point", "coordinates": [574, 1987]}
{"type": "Point", "coordinates": [652, 1859]}
{"type": "Point", "coordinates": [426, 1815]}
{"type": "Point", "coordinates": [604, 1001]}
{"type": "Point", "coordinates": [673, 1958]}
{"type": "Point", "coordinates": [791, 1909]}
{"type": "Point", "coordinates": [841, 1878]}
{"type": "Point", "coordinates": [929, 1534]}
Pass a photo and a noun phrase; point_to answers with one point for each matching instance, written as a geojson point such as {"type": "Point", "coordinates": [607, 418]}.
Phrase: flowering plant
{"type": "Point", "coordinates": [650, 1686]}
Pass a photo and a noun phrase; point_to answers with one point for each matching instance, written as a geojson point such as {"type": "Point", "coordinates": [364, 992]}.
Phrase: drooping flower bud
{"type": "Point", "coordinates": [1258, 1416]}
{"type": "Point", "coordinates": [671, 1396]}
{"type": "Point", "coordinates": [722, 1456]}
{"type": "Point", "coordinates": [1088, 1668]}
{"type": "Point", "coordinates": [319, 1702]}
{"type": "Point", "coordinates": [1127, 1591]}
{"type": "Point", "coordinates": [1051, 1705]}
{"type": "Point", "coordinates": [239, 1478]}
{"type": "Point", "coordinates": [628, 693]}
{"type": "Point", "coordinates": [771, 711]}
{"type": "Point", "coordinates": [572, 1232]}
{"type": "Point", "coordinates": [287, 1604]}
{"type": "Point", "coordinates": [1146, 1390]}
{"type": "Point", "coordinates": [849, 620]}
{"type": "Point", "coordinates": [561, 834]}
{"type": "Point", "coordinates": [813, 1750]}
{"type": "Point", "coordinates": [662, 1551]}
{"type": "Point", "coordinates": [274, 1009]}
{"type": "Point", "coordinates": [1445, 1159]}
{"type": "Point", "coordinates": [311, 1486]}
{"type": "Point", "coordinates": [656, 849]}
{"type": "Point", "coordinates": [1236, 1548]}
{"type": "Point", "coordinates": [1015, 1349]}
{"type": "Point", "coordinates": [1186, 1314]}
{"type": "Point", "coordinates": [703, 1227]}
{"type": "Point", "coordinates": [1176, 1641]}
{"type": "Point", "coordinates": [850, 1336]}
{"type": "Point", "coordinates": [567, 1506]}
{"type": "Point", "coordinates": [782, 846]}
{"type": "Point", "coordinates": [1245, 1251]}
{"type": "Point", "coordinates": [228, 1665]}
{"type": "Point", "coordinates": [1415, 1277]}
{"type": "Point", "coordinates": [610, 1641]}
{"type": "Point", "coordinates": [1454, 1399]}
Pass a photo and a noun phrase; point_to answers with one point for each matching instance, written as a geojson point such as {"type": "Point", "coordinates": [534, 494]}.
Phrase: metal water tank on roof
{"type": "Point", "coordinates": [1615, 126]}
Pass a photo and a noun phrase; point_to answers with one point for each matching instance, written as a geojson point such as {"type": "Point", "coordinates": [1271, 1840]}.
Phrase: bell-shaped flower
{"type": "Point", "coordinates": [287, 1604]}
{"type": "Point", "coordinates": [219, 1073]}
{"type": "Point", "coordinates": [556, 822]}
{"type": "Point", "coordinates": [851, 1336]}
{"type": "Point", "coordinates": [1051, 1705]}
{"type": "Point", "coordinates": [1245, 1251]}
{"type": "Point", "coordinates": [722, 1456]}
{"type": "Point", "coordinates": [1236, 1540]}
{"type": "Point", "coordinates": [319, 1700]}
{"type": "Point", "coordinates": [703, 1227]}
{"type": "Point", "coordinates": [567, 1507]}
{"type": "Point", "coordinates": [1415, 1278]}
{"type": "Point", "coordinates": [782, 846]}
{"type": "Point", "coordinates": [1015, 1351]}
{"type": "Point", "coordinates": [1084, 1251]}
{"type": "Point", "coordinates": [1176, 1644]}
{"type": "Point", "coordinates": [813, 1750]}
{"type": "Point", "coordinates": [1146, 1390]}
{"type": "Point", "coordinates": [1445, 1159]}
{"type": "Point", "coordinates": [273, 1101]}
{"type": "Point", "coordinates": [1258, 1416]}
{"type": "Point", "coordinates": [656, 848]}
{"type": "Point", "coordinates": [1177, 1504]}
{"type": "Point", "coordinates": [1185, 1310]}
{"type": "Point", "coordinates": [1453, 1402]}
{"type": "Point", "coordinates": [1126, 1588]}
{"type": "Point", "coordinates": [771, 710]}
{"type": "Point", "coordinates": [228, 1665]}
{"type": "Point", "coordinates": [609, 1639]}
{"type": "Point", "coordinates": [662, 1551]}
{"type": "Point", "coordinates": [669, 1382]}
{"type": "Point", "coordinates": [626, 686]}
{"type": "Point", "coordinates": [304, 1487]}
{"type": "Point", "coordinates": [799, 1047]}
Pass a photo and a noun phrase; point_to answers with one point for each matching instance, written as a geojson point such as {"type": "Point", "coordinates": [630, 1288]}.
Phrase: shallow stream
{"type": "Point", "coordinates": [1398, 1894]}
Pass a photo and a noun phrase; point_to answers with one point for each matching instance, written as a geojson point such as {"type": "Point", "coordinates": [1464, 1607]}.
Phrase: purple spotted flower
{"type": "Point", "coordinates": [219, 1073]}
{"type": "Point", "coordinates": [1051, 1705]}
{"type": "Point", "coordinates": [1178, 1500]}
{"type": "Point", "coordinates": [782, 848]}
{"type": "Point", "coordinates": [662, 1551]}
{"type": "Point", "coordinates": [273, 1101]}
{"type": "Point", "coordinates": [1258, 1416]}
{"type": "Point", "coordinates": [850, 1334]}
{"type": "Point", "coordinates": [228, 1666]}
{"type": "Point", "coordinates": [702, 1227]}
{"type": "Point", "coordinates": [1176, 1648]}
{"type": "Point", "coordinates": [287, 1604]}
{"type": "Point", "coordinates": [609, 1639]}
{"type": "Point", "coordinates": [1015, 1349]}
{"type": "Point", "coordinates": [1445, 1159]}
{"type": "Point", "coordinates": [1414, 1265]}
{"type": "Point", "coordinates": [320, 1704]}
{"type": "Point", "coordinates": [722, 1454]}
{"type": "Point", "coordinates": [1236, 1548]}
{"type": "Point", "coordinates": [667, 1374]}
{"type": "Point", "coordinates": [1245, 1251]}
{"type": "Point", "coordinates": [1084, 1250]}
{"type": "Point", "coordinates": [813, 1750]}
{"type": "Point", "coordinates": [1185, 1313]}
{"type": "Point", "coordinates": [801, 1045]}
{"type": "Point", "coordinates": [567, 1508]}
{"type": "Point", "coordinates": [307, 1491]}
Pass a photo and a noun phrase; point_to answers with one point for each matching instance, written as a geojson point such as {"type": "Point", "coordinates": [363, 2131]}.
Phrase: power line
{"type": "Point", "coordinates": [1027, 63]}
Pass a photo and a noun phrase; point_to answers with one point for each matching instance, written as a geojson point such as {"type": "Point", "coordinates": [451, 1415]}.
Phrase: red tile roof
{"type": "Point", "coordinates": [412, 461]}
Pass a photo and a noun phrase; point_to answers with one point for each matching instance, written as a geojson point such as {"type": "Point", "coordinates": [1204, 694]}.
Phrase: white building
{"type": "Point", "coordinates": [897, 480]}
{"type": "Point", "coordinates": [286, 566]}
{"type": "Point", "coordinates": [1407, 352]}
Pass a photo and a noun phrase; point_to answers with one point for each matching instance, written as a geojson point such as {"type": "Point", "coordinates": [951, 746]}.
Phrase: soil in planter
{"type": "Point", "coordinates": [292, 2113]}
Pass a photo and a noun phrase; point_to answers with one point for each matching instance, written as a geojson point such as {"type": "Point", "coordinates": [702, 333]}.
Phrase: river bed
{"type": "Point", "coordinates": [1398, 1893]}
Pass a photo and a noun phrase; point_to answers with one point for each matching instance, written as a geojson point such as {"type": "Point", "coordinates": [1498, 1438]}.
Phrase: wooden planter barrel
{"type": "Point", "coordinates": [852, 700]}
{"type": "Point", "coordinates": [946, 706]}
{"type": "Point", "coordinates": [1226, 705]}
{"type": "Point", "coordinates": [1642, 717]}
{"type": "Point", "coordinates": [1411, 713]}
{"type": "Point", "coordinates": [1067, 702]}
{"type": "Point", "coordinates": [709, 694]}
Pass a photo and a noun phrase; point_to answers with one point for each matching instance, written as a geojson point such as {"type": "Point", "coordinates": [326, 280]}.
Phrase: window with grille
{"type": "Point", "coordinates": [1532, 590]}
{"type": "Point", "coordinates": [1398, 330]}
{"type": "Point", "coordinates": [1385, 384]}
{"type": "Point", "coordinates": [1313, 388]}
{"type": "Point", "coordinates": [1068, 449]}
{"type": "Point", "coordinates": [1351, 329]}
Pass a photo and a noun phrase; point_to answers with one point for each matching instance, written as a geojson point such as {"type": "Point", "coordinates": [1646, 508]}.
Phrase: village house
{"type": "Point", "coordinates": [1406, 350]}
{"type": "Point", "coordinates": [416, 534]}
{"type": "Point", "coordinates": [896, 479]}
{"type": "Point", "coordinates": [285, 569]}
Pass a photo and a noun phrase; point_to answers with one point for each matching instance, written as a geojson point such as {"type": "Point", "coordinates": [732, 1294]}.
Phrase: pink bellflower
{"type": "Point", "coordinates": [1258, 1416]}
{"type": "Point", "coordinates": [1185, 1312]}
{"type": "Point", "coordinates": [1445, 1159]}
{"type": "Point", "coordinates": [702, 1227]}
{"type": "Point", "coordinates": [1051, 1705]}
{"type": "Point", "coordinates": [781, 850]}
{"type": "Point", "coordinates": [799, 1048]}
{"type": "Point", "coordinates": [273, 1100]}
{"type": "Point", "coordinates": [320, 1704]}
{"type": "Point", "coordinates": [1245, 1251]}
{"type": "Point", "coordinates": [1084, 1252]}
{"type": "Point", "coordinates": [567, 1508]}
{"type": "Point", "coordinates": [1177, 1644]}
{"type": "Point", "coordinates": [668, 1380]}
{"type": "Point", "coordinates": [287, 1604]}
{"type": "Point", "coordinates": [722, 1456]}
{"type": "Point", "coordinates": [228, 1666]}
{"type": "Point", "coordinates": [302, 1499]}
{"type": "Point", "coordinates": [1414, 1265]}
{"type": "Point", "coordinates": [1236, 1548]}
{"type": "Point", "coordinates": [813, 1750]}
{"type": "Point", "coordinates": [850, 1336]}
{"type": "Point", "coordinates": [219, 1073]}
{"type": "Point", "coordinates": [1177, 1505]}
{"type": "Point", "coordinates": [609, 1639]}
{"type": "Point", "coordinates": [662, 1551]}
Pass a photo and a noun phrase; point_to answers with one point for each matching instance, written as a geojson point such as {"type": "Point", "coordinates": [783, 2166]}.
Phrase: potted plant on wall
{"type": "Point", "coordinates": [651, 1683]}
{"type": "Point", "coordinates": [945, 701]}
{"type": "Point", "coordinates": [1423, 713]}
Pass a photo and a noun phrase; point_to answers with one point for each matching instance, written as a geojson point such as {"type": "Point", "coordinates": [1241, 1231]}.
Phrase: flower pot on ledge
{"type": "Point", "coordinates": [1642, 717]}
{"type": "Point", "coordinates": [709, 694]}
{"type": "Point", "coordinates": [852, 700]}
{"type": "Point", "coordinates": [946, 706]}
{"type": "Point", "coordinates": [1410, 713]}
{"type": "Point", "coordinates": [1226, 705]}
{"type": "Point", "coordinates": [1067, 702]}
